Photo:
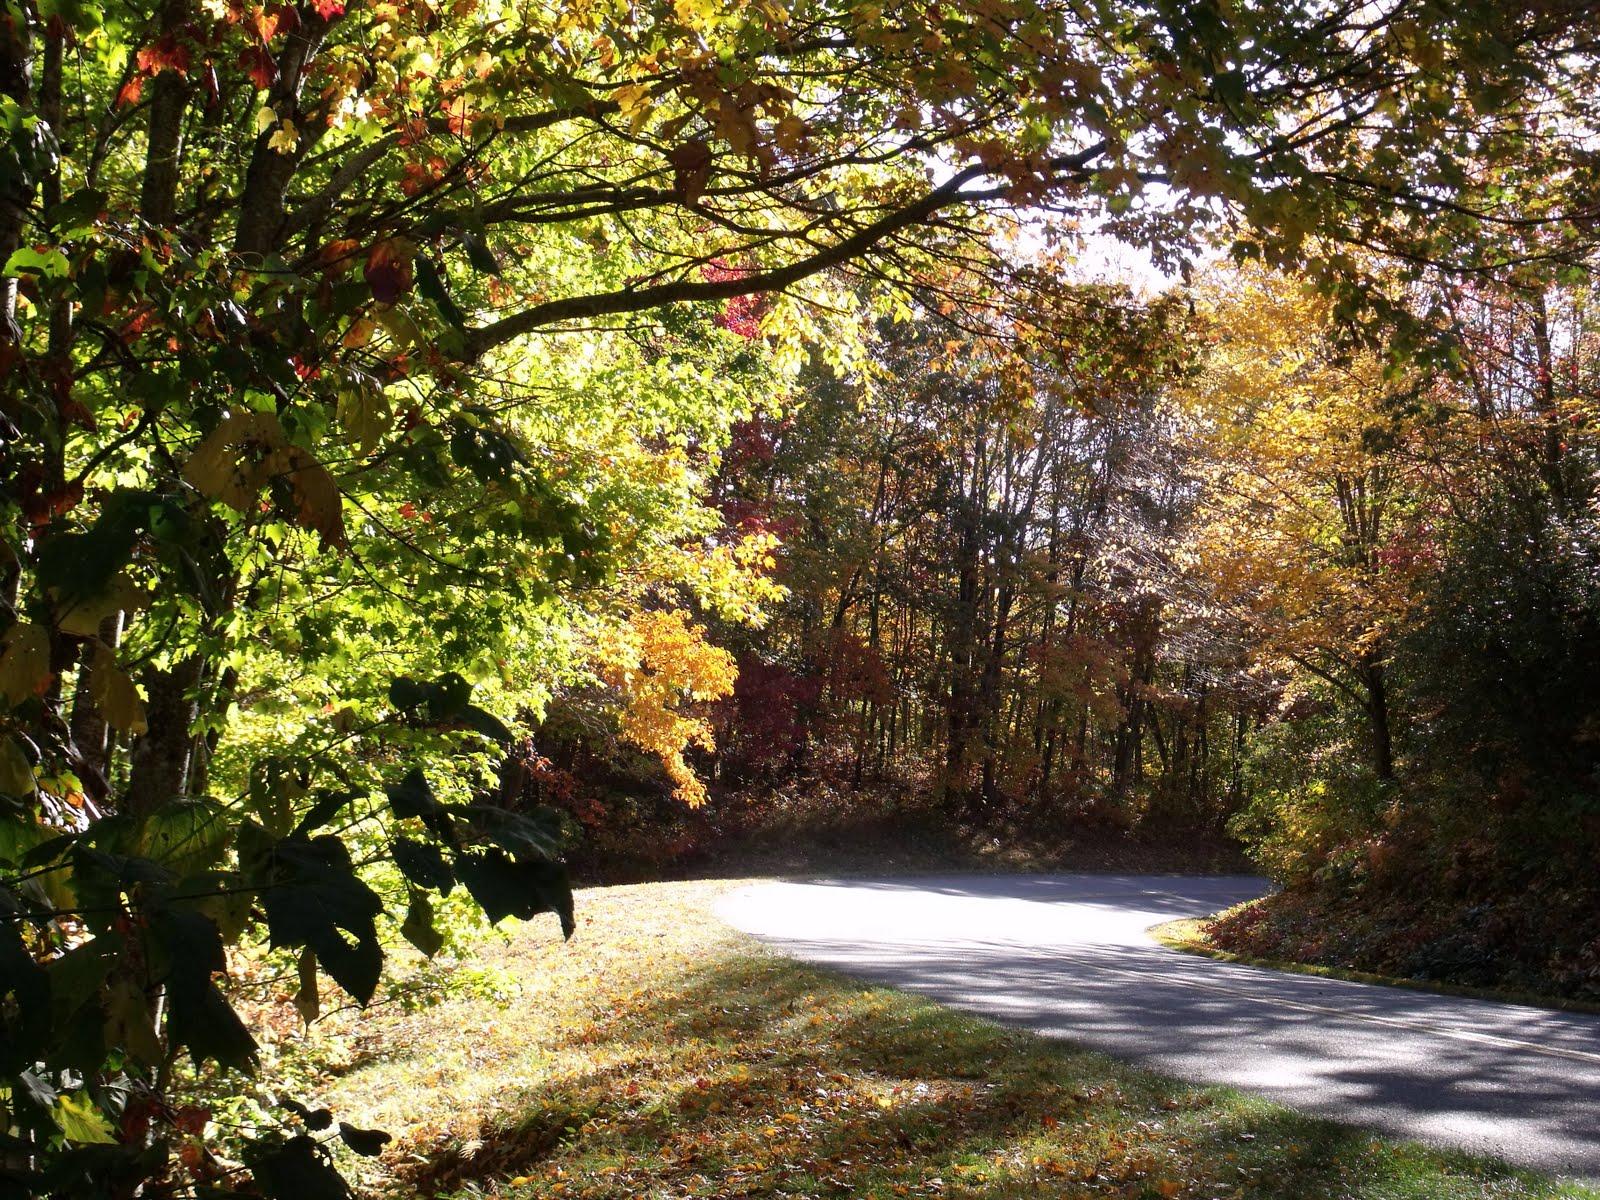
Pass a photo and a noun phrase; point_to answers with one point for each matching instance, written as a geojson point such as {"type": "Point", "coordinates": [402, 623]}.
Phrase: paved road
{"type": "Point", "coordinates": [1068, 956]}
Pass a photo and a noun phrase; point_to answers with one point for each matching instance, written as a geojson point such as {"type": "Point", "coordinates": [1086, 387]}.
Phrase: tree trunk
{"type": "Point", "coordinates": [261, 211]}
{"type": "Point", "coordinates": [16, 195]}
{"type": "Point", "coordinates": [158, 192]}
{"type": "Point", "coordinates": [160, 760]}
{"type": "Point", "coordinates": [1378, 722]}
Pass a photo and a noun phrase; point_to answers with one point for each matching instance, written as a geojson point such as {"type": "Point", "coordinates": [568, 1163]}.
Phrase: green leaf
{"type": "Point", "coordinates": [315, 1119]}
{"type": "Point", "coordinates": [365, 413]}
{"type": "Point", "coordinates": [16, 773]}
{"type": "Point", "coordinates": [197, 1014]}
{"type": "Point", "coordinates": [186, 836]}
{"type": "Point", "coordinates": [81, 1122]}
{"type": "Point", "coordinates": [423, 864]}
{"type": "Point", "coordinates": [412, 797]}
{"type": "Point", "coordinates": [84, 206]}
{"type": "Point", "coordinates": [481, 721]}
{"type": "Point", "coordinates": [315, 899]}
{"type": "Point", "coordinates": [406, 693]}
{"type": "Point", "coordinates": [328, 806]}
{"type": "Point", "coordinates": [448, 696]}
{"type": "Point", "coordinates": [79, 568]}
{"type": "Point", "coordinates": [430, 282]}
{"type": "Point", "coordinates": [529, 835]}
{"type": "Point", "coordinates": [51, 263]}
{"type": "Point", "coordinates": [418, 927]}
{"type": "Point", "coordinates": [479, 254]}
{"type": "Point", "coordinates": [504, 887]}
{"type": "Point", "coordinates": [297, 1170]}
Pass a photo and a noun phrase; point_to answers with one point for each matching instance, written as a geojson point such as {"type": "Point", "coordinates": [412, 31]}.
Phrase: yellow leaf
{"type": "Point", "coordinates": [660, 663]}
{"type": "Point", "coordinates": [25, 665]}
{"type": "Point", "coordinates": [83, 618]}
{"type": "Point", "coordinates": [81, 1121]}
{"type": "Point", "coordinates": [696, 14]}
{"type": "Point", "coordinates": [365, 414]}
{"type": "Point", "coordinates": [359, 333]}
{"type": "Point", "coordinates": [285, 138]}
{"type": "Point", "coordinates": [226, 465]}
{"type": "Point", "coordinates": [16, 774]}
{"type": "Point", "coordinates": [633, 100]}
{"type": "Point", "coordinates": [115, 694]}
{"type": "Point", "coordinates": [247, 450]}
{"type": "Point", "coordinates": [128, 1022]}
{"type": "Point", "coordinates": [307, 1001]}
{"type": "Point", "coordinates": [320, 506]}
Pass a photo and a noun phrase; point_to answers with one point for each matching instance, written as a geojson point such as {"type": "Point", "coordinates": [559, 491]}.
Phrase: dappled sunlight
{"type": "Point", "coordinates": [662, 1054]}
{"type": "Point", "coordinates": [1506, 1079]}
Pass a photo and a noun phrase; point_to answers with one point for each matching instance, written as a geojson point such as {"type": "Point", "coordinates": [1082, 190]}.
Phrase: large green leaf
{"type": "Point", "coordinates": [505, 887]}
{"type": "Point", "coordinates": [198, 1016]}
{"type": "Point", "coordinates": [314, 898]}
{"type": "Point", "coordinates": [423, 864]}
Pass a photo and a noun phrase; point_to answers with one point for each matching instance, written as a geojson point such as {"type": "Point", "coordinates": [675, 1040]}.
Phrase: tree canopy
{"type": "Point", "coordinates": [367, 368]}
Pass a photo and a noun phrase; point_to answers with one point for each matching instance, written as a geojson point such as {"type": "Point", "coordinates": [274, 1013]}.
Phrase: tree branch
{"type": "Point", "coordinates": [480, 341]}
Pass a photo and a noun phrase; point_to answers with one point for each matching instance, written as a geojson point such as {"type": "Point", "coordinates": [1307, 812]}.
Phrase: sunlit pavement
{"type": "Point", "coordinates": [1068, 956]}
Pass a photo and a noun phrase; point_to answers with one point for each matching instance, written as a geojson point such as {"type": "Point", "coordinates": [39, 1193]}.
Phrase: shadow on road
{"type": "Point", "coordinates": [1068, 957]}
{"type": "Point", "coordinates": [759, 1076]}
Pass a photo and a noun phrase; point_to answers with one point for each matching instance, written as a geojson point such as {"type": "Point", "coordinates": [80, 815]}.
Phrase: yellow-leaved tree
{"type": "Point", "coordinates": [662, 665]}
{"type": "Point", "coordinates": [1304, 498]}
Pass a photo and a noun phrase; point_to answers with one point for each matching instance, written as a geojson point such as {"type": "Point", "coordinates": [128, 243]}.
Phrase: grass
{"type": "Point", "coordinates": [1192, 936]}
{"type": "Point", "coordinates": [660, 1054]}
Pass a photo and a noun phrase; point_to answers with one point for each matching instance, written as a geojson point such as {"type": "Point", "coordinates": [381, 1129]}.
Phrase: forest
{"type": "Point", "coordinates": [454, 452]}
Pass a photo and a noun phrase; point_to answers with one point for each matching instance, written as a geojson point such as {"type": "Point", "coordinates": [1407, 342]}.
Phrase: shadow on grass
{"type": "Point", "coordinates": [756, 1076]}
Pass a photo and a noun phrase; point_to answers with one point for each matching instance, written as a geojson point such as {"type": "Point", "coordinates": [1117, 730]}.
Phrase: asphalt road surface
{"type": "Point", "coordinates": [1068, 956]}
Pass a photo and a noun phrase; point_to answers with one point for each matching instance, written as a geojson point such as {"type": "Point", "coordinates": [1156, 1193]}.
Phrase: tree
{"type": "Point", "coordinates": [307, 507]}
{"type": "Point", "coordinates": [1303, 491]}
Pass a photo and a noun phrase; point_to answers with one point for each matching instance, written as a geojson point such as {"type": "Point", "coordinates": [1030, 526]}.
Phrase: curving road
{"type": "Point", "coordinates": [1068, 956]}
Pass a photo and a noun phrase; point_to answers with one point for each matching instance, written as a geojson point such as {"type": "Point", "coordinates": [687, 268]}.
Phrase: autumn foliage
{"type": "Point", "coordinates": [389, 391]}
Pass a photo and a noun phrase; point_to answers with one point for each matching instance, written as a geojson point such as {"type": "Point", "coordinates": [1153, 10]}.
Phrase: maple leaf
{"type": "Point", "coordinates": [115, 694]}
{"type": "Point", "coordinates": [691, 170]}
{"type": "Point", "coordinates": [130, 92]}
{"type": "Point", "coordinates": [634, 102]}
{"type": "Point", "coordinates": [168, 54]}
{"type": "Point", "coordinates": [388, 270]}
{"type": "Point", "coordinates": [270, 22]}
{"type": "Point", "coordinates": [259, 66]}
{"type": "Point", "coordinates": [328, 10]}
{"type": "Point", "coordinates": [284, 138]}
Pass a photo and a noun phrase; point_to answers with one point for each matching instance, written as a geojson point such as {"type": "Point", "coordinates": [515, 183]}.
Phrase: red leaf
{"type": "Point", "coordinates": [168, 54]}
{"type": "Point", "coordinates": [191, 1119]}
{"type": "Point", "coordinates": [130, 93]}
{"type": "Point", "coordinates": [328, 10]}
{"type": "Point", "coordinates": [259, 65]}
{"type": "Point", "coordinates": [388, 271]}
{"type": "Point", "coordinates": [267, 23]}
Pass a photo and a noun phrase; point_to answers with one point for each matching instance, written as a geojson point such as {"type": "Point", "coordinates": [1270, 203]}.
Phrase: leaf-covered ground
{"type": "Point", "coordinates": [659, 1054]}
{"type": "Point", "coordinates": [1540, 942]}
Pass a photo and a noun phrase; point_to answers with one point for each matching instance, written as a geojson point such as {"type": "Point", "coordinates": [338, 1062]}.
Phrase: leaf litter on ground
{"type": "Point", "coordinates": [661, 1054]}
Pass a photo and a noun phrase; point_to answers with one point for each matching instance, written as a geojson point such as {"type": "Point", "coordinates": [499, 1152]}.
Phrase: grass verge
{"type": "Point", "coordinates": [660, 1054]}
{"type": "Point", "coordinates": [1191, 935]}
